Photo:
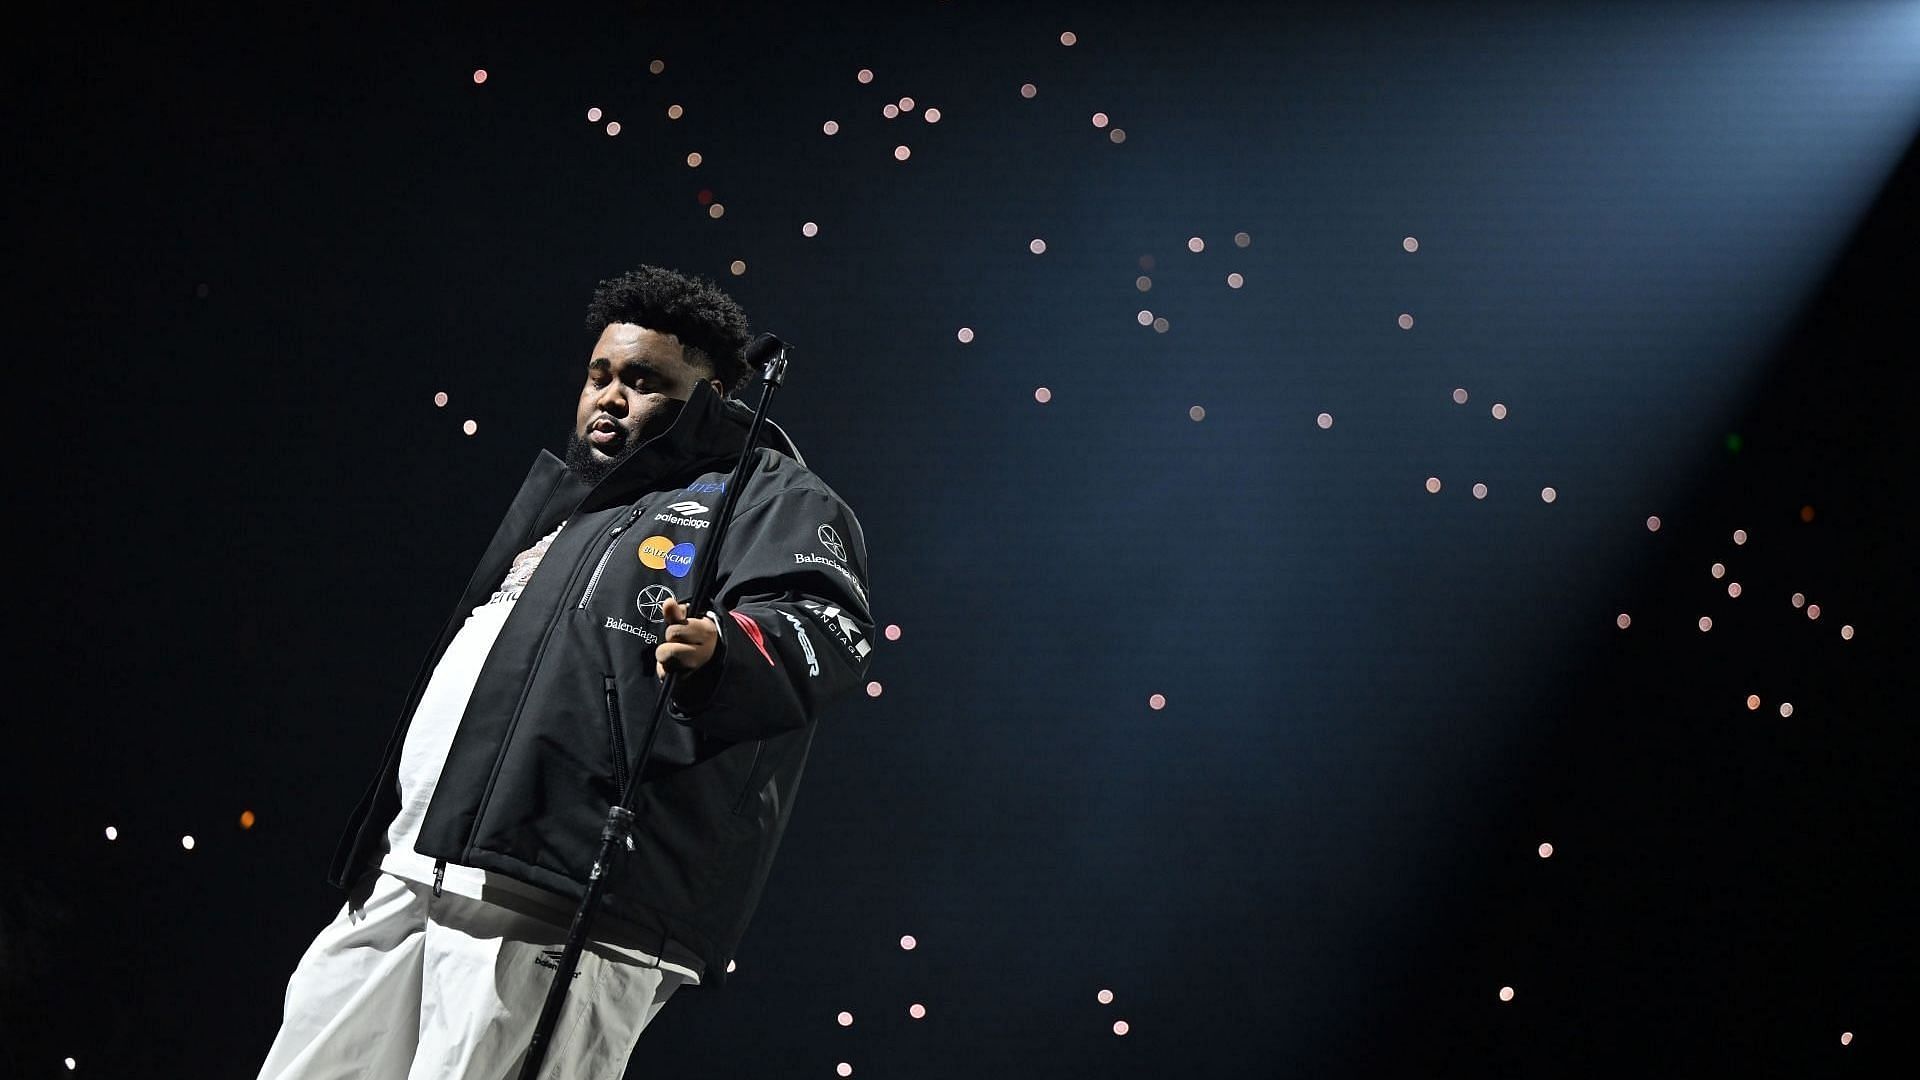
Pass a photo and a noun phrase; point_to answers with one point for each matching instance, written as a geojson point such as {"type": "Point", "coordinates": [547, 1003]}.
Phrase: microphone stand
{"type": "Point", "coordinates": [617, 832]}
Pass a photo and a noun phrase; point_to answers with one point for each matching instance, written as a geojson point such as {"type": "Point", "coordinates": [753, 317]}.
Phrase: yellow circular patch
{"type": "Point", "coordinates": [653, 552]}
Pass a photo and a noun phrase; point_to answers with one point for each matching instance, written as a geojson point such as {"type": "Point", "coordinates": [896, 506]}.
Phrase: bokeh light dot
{"type": "Point", "coordinates": [1499, 411]}
{"type": "Point", "coordinates": [1068, 38]}
{"type": "Point", "coordinates": [890, 111]}
{"type": "Point", "coordinates": [1846, 633]}
{"type": "Point", "coordinates": [1546, 851]}
{"type": "Point", "coordinates": [907, 942]}
{"type": "Point", "coordinates": [1653, 523]}
{"type": "Point", "coordinates": [1753, 702]}
{"type": "Point", "coordinates": [931, 116]}
{"type": "Point", "coordinates": [1410, 244]}
{"type": "Point", "coordinates": [1143, 283]}
{"type": "Point", "coordinates": [675, 112]}
{"type": "Point", "coordinates": [901, 153]}
{"type": "Point", "coordinates": [1718, 570]}
{"type": "Point", "coordinates": [1117, 135]}
{"type": "Point", "coordinates": [917, 1011]}
{"type": "Point", "coordinates": [1104, 997]}
{"type": "Point", "coordinates": [479, 76]}
{"type": "Point", "coordinates": [965, 335]}
{"type": "Point", "coordinates": [1799, 599]}
{"type": "Point", "coordinates": [1143, 317]}
{"type": "Point", "coordinates": [470, 427]}
{"type": "Point", "coordinates": [1506, 993]}
{"type": "Point", "coordinates": [1479, 490]}
{"type": "Point", "coordinates": [1196, 245]}
{"type": "Point", "coordinates": [694, 159]}
{"type": "Point", "coordinates": [1739, 536]}
{"type": "Point", "coordinates": [1043, 395]}
{"type": "Point", "coordinates": [613, 127]}
{"type": "Point", "coordinates": [1459, 395]}
{"type": "Point", "coordinates": [1813, 611]}
{"type": "Point", "coordinates": [1121, 1027]}
{"type": "Point", "coordinates": [1706, 623]}
{"type": "Point", "coordinates": [1234, 281]}
{"type": "Point", "coordinates": [440, 399]}
{"type": "Point", "coordinates": [1197, 413]}
{"type": "Point", "coordinates": [1324, 420]}
{"type": "Point", "coordinates": [72, 1064]}
{"type": "Point", "coordinates": [843, 1069]}
{"type": "Point", "coordinates": [1547, 494]}
{"type": "Point", "coordinates": [716, 211]}
{"type": "Point", "coordinates": [893, 632]}
{"type": "Point", "coordinates": [738, 267]}
{"type": "Point", "coordinates": [246, 819]}
{"type": "Point", "coordinates": [732, 966]}
{"type": "Point", "coordinates": [1623, 620]}
{"type": "Point", "coordinates": [1806, 513]}
{"type": "Point", "coordinates": [1733, 589]}
{"type": "Point", "coordinates": [113, 833]}
{"type": "Point", "coordinates": [187, 842]}
{"type": "Point", "coordinates": [1433, 485]}
{"type": "Point", "coordinates": [831, 127]}
{"type": "Point", "coordinates": [657, 66]}
{"type": "Point", "coordinates": [865, 75]}
{"type": "Point", "coordinates": [1099, 119]}
{"type": "Point", "coordinates": [1160, 324]}
{"type": "Point", "coordinates": [1846, 1039]}
{"type": "Point", "coordinates": [1405, 321]}
{"type": "Point", "coordinates": [906, 104]}
{"type": "Point", "coordinates": [845, 1018]}
{"type": "Point", "coordinates": [1037, 246]}
{"type": "Point", "coordinates": [1786, 708]}
{"type": "Point", "coordinates": [1027, 90]}
{"type": "Point", "coordinates": [873, 689]}
{"type": "Point", "coordinates": [593, 115]}
{"type": "Point", "coordinates": [809, 229]}
{"type": "Point", "coordinates": [1241, 239]}
{"type": "Point", "coordinates": [1157, 702]}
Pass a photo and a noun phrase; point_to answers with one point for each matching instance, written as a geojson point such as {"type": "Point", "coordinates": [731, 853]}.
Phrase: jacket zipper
{"type": "Point", "coordinates": [439, 874]}
{"type": "Point", "coordinates": [747, 788]}
{"type": "Point", "coordinates": [594, 581]}
{"type": "Point", "coordinates": [618, 732]}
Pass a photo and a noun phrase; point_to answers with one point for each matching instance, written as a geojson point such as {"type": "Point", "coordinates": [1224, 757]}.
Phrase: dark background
{"type": "Point", "coordinates": [249, 245]}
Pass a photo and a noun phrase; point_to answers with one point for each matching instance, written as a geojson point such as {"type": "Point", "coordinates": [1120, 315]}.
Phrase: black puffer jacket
{"type": "Point", "coordinates": [561, 704]}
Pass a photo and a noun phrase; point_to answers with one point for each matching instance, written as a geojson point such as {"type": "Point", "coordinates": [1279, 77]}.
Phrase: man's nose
{"type": "Point", "coordinates": [612, 398]}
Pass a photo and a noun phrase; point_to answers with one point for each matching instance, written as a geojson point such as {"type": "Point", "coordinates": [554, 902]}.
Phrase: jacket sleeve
{"type": "Point", "coordinates": [795, 627]}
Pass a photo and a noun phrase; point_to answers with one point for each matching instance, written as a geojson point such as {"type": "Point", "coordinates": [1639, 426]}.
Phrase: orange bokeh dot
{"type": "Point", "coordinates": [1806, 513]}
{"type": "Point", "coordinates": [246, 819]}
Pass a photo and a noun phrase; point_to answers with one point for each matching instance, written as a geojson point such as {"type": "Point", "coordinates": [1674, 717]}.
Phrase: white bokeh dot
{"type": "Point", "coordinates": [1157, 701]}
{"type": "Point", "coordinates": [1786, 708]}
{"type": "Point", "coordinates": [1027, 90]}
{"type": "Point", "coordinates": [1799, 600]}
{"type": "Point", "coordinates": [831, 127]}
{"type": "Point", "coordinates": [1196, 245]}
{"type": "Point", "coordinates": [845, 1018]}
{"type": "Point", "coordinates": [864, 75]}
{"type": "Point", "coordinates": [1042, 395]}
{"type": "Point", "coordinates": [810, 229]}
{"type": "Point", "coordinates": [1324, 420]}
{"type": "Point", "coordinates": [1100, 120]}
{"type": "Point", "coordinates": [1405, 320]}
{"type": "Point", "coordinates": [613, 127]}
{"type": "Point", "coordinates": [593, 115]}
{"type": "Point", "coordinates": [1846, 633]}
{"type": "Point", "coordinates": [917, 1011]}
{"type": "Point", "coordinates": [1104, 997]}
{"type": "Point", "coordinates": [1234, 281]}
{"type": "Point", "coordinates": [1623, 620]}
{"type": "Point", "coordinates": [1410, 244]}
{"type": "Point", "coordinates": [1706, 623]}
{"type": "Point", "coordinates": [1433, 485]}
{"type": "Point", "coordinates": [1506, 993]}
{"type": "Point", "coordinates": [1499, 411]}
{"type": "Point", "coordinates": [470, 427]}
{"type": "Point", "coordinates": [1068, 38]}
{"type": "Point", "coordinates": [1653, 523]}
{"type": "Point", "coordinates": [907, 942]}
{"type": "Point", "coordinates": [1121, 1027]}
{"type": "Point", "coordinates": [1547, 494]}
{"type": "Point", "coordinates": [1037, 246]}
{"type": "Point", "coordinates": [1846, 1039]}
{"type": "Point", "coordinates": [440, 399]}
{"type": "Point", "coordinates": [113, 833]}
{"type": "Point", "coordinates": [1479, 490]}
{"type": "Point", "coordinates": [1733, 588]}
{"type": "Point", "coordinates": [843, 1069]}
{"type": "Point", "coordinates": [1196, 414]}
{"type": "Point", "coordinates": [187, 842]}
{"type": "Point", "coordinates": [479, 76]}
{"type": "Point", "coordinates": [965, 335]}
{"type": "Point", "coordinates": [901, 153]}
{"type": "Point", "coordinates": [1739, 536]}
{"type": "Point", "coordinates": [1546, 851]}
{"type": "Point", "coordinates": [1459, 395]}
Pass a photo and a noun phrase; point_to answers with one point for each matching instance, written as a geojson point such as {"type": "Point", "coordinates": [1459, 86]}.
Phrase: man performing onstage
{"type": "Point", "coordinates": [467, 856]}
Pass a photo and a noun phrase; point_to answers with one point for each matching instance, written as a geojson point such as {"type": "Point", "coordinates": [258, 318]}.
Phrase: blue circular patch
{"type": "Point", "coordinates": [680, 560]}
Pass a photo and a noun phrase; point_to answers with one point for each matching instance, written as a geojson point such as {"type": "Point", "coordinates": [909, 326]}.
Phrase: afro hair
{"type": "Point", "coordinates": [709, 324]}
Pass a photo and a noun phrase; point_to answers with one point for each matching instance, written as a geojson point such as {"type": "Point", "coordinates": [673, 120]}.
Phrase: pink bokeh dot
{"type": "Point", "coordinates": [917, 1011]}
{"type": "Point", "coordinates": [1546, 851]}
{"type": "Point", "coordinates": [613, 127]}
{"type": "Point", "coordinates": [1105, 997]}
{"type": "Point", "coordinates": [1405, 321]}
{"type": "Point", "coordinates": [1043, 395]}
{"type": "Point", "coordinates": [907, 942]}
{"type": "Point", "coordinates": [593, 115]}
{"type": "Point", "coordinates": [1121, 1027]}
{"type": "Point", "coordinates": [1433, 485]}
{"type": "Point", "coordinates": [893, 632]}
{"type": "Point", "coordinates": [479, 76]}
{"type": "Point", "coordinates": [469, 427]}
{"type": "Point", "coordinates": [1653, 523]}
{"type": "Point", "coordinates": [873, 689]}
{"type": "Point", "coordinates": [1157, 701]}
{"type": "Point", "coordinates": [965, 335]}
{"type": "Point", "coordinates": [845, 1019]}
{"type": "Point", "coordinates": [440, 399]}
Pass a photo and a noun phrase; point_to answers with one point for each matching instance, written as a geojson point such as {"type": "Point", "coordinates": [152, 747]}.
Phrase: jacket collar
{"type": "Point", "coordinates": [707, 435]}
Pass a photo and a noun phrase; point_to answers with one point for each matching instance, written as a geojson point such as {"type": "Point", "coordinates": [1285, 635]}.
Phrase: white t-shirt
{"type": "Point", "coordinates": [424, 755]}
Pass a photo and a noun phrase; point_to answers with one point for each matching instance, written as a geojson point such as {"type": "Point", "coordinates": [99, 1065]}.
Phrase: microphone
{"type": "Point", "coordinates": [769, 354]}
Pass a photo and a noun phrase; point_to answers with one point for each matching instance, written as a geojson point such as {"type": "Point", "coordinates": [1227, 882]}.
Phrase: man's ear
{"type": "Point", "coordinates": [719, 387]}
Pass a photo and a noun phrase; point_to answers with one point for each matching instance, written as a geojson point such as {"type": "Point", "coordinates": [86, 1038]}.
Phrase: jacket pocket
{"type": "Point", "coordinates": [753, 771]}
{"type": "Point", "coordinates": [617, 738]}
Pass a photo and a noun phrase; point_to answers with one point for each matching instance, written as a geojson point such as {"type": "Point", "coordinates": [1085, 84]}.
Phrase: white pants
{"type": "Point", "coordinates": [405, 985]}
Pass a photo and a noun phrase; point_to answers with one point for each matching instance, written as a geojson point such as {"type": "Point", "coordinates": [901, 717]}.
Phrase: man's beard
{"type": "Point", "coordinates": [591, 467]}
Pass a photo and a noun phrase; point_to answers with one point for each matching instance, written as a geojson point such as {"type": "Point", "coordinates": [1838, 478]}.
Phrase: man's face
{"type": "Point", "coordinates": [637, 380]}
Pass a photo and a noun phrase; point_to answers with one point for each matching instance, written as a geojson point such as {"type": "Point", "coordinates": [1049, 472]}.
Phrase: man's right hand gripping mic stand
{"type": "Point", "coordinates": [770, 354]}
